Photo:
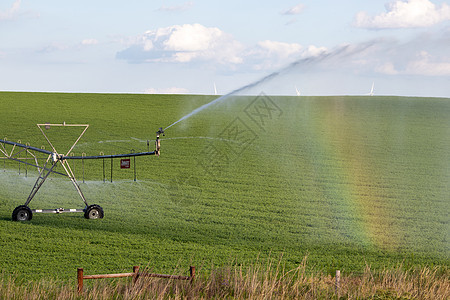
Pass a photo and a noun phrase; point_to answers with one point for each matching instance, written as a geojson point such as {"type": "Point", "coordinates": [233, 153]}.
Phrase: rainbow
{"type": "Point", "coordinates": [353, 176]}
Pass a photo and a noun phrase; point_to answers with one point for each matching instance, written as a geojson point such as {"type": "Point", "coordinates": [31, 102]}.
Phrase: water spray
{"type": "Point", "coordinates": [343, 52]}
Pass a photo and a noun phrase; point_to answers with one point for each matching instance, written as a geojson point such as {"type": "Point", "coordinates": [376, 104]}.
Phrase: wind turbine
{"type": "Point", "coordinates": [371, 90]}
{"type": "Point", "coordinates": [297, 91]}
{"type": "Point", "coordinates": [215, 89]}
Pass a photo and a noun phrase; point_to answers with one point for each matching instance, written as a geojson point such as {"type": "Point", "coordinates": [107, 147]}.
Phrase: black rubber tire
{"type": "Point", "coordinates": [22, 213]}
{"type": "Point", "coordinates": [93, 212]}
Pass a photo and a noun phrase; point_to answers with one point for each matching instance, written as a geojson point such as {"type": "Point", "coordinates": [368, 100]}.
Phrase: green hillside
{"type": "Point", "coordinates": [347, 181]}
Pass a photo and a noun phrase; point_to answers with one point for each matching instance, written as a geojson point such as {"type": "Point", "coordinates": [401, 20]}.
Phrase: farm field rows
{"type": "Point", "coordinates": [347, 181]}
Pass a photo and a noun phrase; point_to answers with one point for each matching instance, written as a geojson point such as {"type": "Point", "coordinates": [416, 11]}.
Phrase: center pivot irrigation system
{"type": "Point", "coordinates": [93, 211]}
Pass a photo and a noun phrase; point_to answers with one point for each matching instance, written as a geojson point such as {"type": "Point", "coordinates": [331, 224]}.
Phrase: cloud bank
{"type": "Point", "coordinates": [405, 14]}
{"type": "Point", "coordinates": [210, 47]}
{"type": "Point", "coordinates": [197, 44]}
{"type": "Point", "coordinates": [183, 44]}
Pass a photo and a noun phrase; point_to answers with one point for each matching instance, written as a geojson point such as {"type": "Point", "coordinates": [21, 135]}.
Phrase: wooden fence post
{"type": "Point", "coordinates": [192, 272]}
{"type": "Point", "coordinates": [80, 280]}
{"type": "Point", "coordinates": [136, 274]}
{"type": "Point", "coordinates": [338, 282]}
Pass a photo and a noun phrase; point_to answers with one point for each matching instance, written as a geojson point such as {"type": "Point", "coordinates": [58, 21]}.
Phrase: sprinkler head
{"type": "Point", "coordinates": [160, 131]}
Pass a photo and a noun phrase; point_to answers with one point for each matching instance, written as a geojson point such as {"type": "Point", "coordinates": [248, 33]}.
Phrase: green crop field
{"type": "Point", "coordinates": [345, 181]}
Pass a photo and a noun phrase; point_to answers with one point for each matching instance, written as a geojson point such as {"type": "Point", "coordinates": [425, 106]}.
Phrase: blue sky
{"type": "Point", "coordinates": [177, 46]}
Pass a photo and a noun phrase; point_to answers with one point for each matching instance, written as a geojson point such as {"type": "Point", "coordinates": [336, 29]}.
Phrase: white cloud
{"type": "Point", "coordinates": [193, 38]}
{"type": "Point", "coordinates": [295, 10]}
{"type": "Point", "coordinates": [182, 7]}
{"type": "Point", "coordinates": [88, 42]}
{"type": "Point", "coordinates": [280, 49]}
{"type": "Point", "coordinates": [272, 54]}
{"type": "Point", "coordinates": [424, 65]}
{"type": "Point", "coordinates": [171, 90]}
{"type": "Point", "coordinates": [405, 14]}
{"type": "Point", "coordinates": [184, 43]}
{"type": "Point", "coordinates": [313, 51]}
{"type": "Point", "coordinates": [12, 12]}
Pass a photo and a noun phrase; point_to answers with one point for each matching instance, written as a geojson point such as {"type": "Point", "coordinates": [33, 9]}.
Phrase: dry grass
{"type": "Point", "coordinates": [259, 281]}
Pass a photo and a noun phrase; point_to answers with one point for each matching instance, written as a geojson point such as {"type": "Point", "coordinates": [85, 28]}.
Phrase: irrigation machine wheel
{"type": "Point", "coordinates": [22, 213]}
{"type": "Point", "coordinates": [93, 211]}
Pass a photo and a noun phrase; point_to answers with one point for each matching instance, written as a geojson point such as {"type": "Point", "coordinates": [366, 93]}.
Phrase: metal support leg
{"type": "Point", "coordinates": [39, 181]}
{"type": "Point", "coordinates": [69, 172]}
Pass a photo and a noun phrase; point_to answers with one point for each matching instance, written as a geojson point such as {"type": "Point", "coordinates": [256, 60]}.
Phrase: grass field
{"type": "Point", "coordinates": [348, 181]}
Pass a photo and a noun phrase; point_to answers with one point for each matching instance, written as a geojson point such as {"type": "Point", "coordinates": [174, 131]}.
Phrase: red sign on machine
{"type": "Point", "coordinates": [125, 163]}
